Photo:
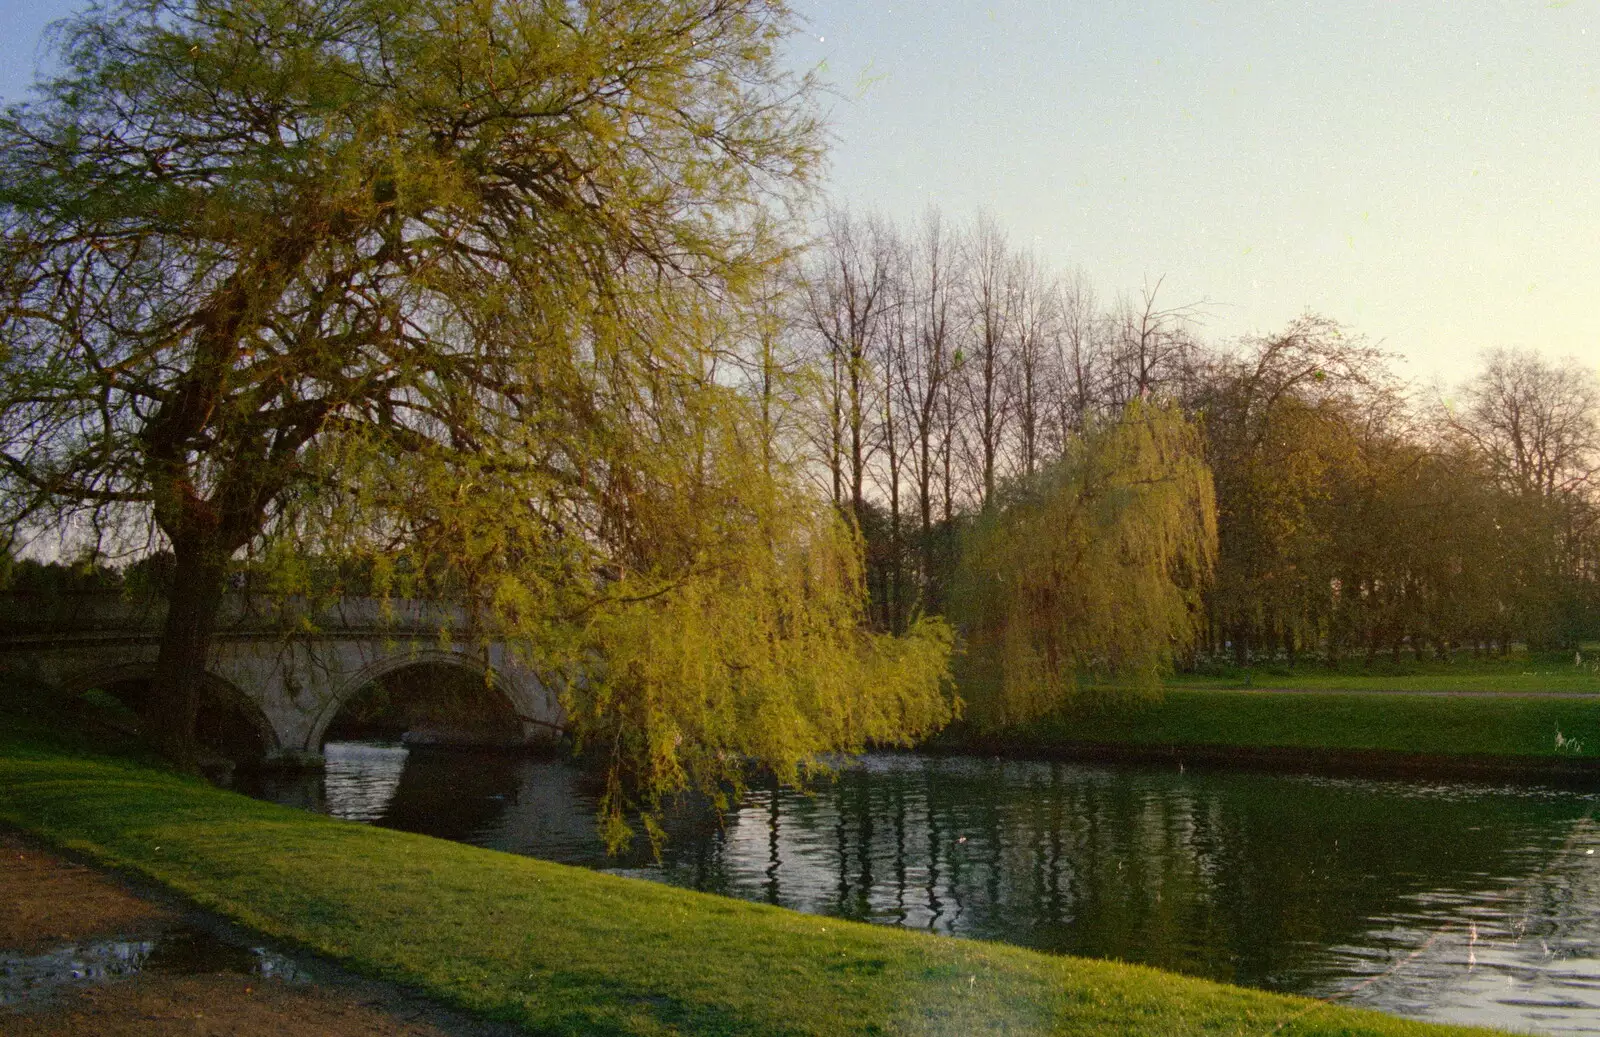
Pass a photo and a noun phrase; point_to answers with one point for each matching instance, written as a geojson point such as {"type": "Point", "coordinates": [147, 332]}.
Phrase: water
{"type": "Point", "coordinates": [1449, 901]}
{"type": "Point", "coordinates": [179, 950]}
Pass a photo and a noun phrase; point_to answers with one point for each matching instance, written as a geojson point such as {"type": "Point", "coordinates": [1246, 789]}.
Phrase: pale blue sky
{"type": "Point", "coordinates": [1428, 173]}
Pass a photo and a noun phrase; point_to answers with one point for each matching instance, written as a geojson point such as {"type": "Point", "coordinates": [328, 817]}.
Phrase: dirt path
{"type": "Point", "coordinates": [83, 954]}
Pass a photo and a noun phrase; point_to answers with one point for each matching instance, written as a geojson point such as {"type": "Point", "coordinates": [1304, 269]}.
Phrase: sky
{"type": "Point", "coordinates": [1427, 173]}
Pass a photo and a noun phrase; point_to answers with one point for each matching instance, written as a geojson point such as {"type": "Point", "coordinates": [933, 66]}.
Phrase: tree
{"type": "Point", "coordinates": [1536, 424]}
{"type": "Point", "coordinates": [411, 274]}
{"type": "Point", "coordinates": [925, 371]}
{"type": "Point", "coordinates": [848, 293]}
{"type": "Point", "coordinates": [992, 289]}
{"type": "Point", "coordinates": [1033, 370]}
{"type": "Point", "coordinates": [1081, 356]}
{"type": "Point", "coordinates": [1151, 348]}
{"type": "Point", "coordinates": [1278, 417]}
{"type": "Point", "coordinates": [1094, 566]}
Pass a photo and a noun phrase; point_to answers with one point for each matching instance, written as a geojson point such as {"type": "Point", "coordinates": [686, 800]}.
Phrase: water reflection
{"type": "Point", "coordinates": [1449, 901]}
{"type": "Point", "coordinates": [362, 779]}
{"type": "Point", "coordinates": [179, 951]}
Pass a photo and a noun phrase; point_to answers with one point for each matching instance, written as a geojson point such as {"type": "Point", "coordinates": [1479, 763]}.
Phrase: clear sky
{"type": "Point", "coordinates": [1426, 172]}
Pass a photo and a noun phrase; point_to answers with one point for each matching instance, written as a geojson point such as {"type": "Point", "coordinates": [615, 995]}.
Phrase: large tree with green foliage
{"type": "Point", "coordinates": [1282, 416]}
{"type": "Point", "coordinates": [448, 276]}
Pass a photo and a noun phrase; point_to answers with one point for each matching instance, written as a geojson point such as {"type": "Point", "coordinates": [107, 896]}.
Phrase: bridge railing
{"type": "Point", "coordinates": [32, 616]}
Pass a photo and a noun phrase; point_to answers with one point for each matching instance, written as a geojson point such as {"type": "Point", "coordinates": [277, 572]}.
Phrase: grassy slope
{"type": "Point", "coordinates": [569, 951]}
{"type": "Point", "coordinates": [1521, 726]}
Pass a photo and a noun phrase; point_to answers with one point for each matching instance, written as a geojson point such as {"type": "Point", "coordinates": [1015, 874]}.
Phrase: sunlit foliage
{"type": "Point", "coordinates": [449, 295]}
{"type": "Point", "coordinates": [1092, 568]}
{"type": "Point", "coordinates": [699, 611]}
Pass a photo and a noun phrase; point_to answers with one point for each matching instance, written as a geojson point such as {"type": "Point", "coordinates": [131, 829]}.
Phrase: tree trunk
{"type": "Point", "coordinates": [197, 585]}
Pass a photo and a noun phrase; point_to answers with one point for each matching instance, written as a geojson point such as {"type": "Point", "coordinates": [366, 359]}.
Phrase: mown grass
{"type": "Point", "coordinates": [1435, 725]}
{"type": "Point", "coordinates": [567, 951]}
{"type": "Point", "coordinates": [1521, 672]}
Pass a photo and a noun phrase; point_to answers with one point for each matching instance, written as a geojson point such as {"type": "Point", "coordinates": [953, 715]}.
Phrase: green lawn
{"type": "Point", "coordinates": [567, 951]}
{"type": "Point", "coordinates": [1521, 672]}
{"type": "Point", "coordinates": [1511, 726]}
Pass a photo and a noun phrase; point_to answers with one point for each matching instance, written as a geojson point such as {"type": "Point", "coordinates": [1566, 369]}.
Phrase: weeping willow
{"type": "Point", "coordinates": [759, 657]}
{"type": "Point", "coordinates": [699, 610]}
{"type": "Point", "coordinates": [1089, 573]}
{"type": "Point", "coordinates": [445, 295]}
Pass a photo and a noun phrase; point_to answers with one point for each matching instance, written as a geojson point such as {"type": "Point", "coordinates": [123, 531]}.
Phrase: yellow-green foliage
{"type": "Point", "coordinates": [486, 268]}
{"type": "Point", "coordinates": [1094, 567]}
{"type": "Point", "coordinates": [760, 659]}
{"type": "Point", "coordinates": [698, 608]}
{"type": "Point", "coordinates": [736, 634]}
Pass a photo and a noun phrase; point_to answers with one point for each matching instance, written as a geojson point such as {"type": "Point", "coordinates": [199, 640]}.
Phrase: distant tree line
{"type": "Point", "coordinates": [1356, 515]}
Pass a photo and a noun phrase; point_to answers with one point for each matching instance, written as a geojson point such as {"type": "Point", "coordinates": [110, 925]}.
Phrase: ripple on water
{"type": "Point", "coordinates": [361, 778]}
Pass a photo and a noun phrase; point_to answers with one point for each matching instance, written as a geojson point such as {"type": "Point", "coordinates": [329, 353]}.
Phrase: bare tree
{"type": "Point", "coordinates": [1082, 354]}
{"type": "Point", "coordinates": [1537, 421]}
{"type": "Point", "coordinates": [934, 271]}
{"type": "Point", "coordinates": [1033, 368]}
{"type": "Point", "coordinates": [993, 305]}
{"type": "Point", "coordinates": [847, 293]}
{"type": "Point", "coordinates": [1153, 347]}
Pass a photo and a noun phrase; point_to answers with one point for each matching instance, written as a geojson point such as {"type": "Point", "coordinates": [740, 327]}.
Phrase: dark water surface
{"type": "Point", "coordinates": [1451, 901]}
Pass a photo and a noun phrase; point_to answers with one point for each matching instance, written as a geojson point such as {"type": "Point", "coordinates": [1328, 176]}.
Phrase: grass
{"type": "Point", "coordinates": [1509, 726]}
{"type": "Point", "coordinates": [1522, 672]}
{"type": "Point", "coordinates": [567, 951]}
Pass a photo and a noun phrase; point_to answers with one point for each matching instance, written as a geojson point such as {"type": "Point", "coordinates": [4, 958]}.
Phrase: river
{"type": "Point", "coordinates": [1441, 900]}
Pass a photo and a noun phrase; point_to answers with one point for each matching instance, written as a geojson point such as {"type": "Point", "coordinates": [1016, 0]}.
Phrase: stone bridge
{"type": "Point", "coordinates": [284, 668]}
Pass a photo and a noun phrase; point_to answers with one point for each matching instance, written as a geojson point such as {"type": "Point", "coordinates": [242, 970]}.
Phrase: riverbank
{"type": "Point", "coordinates": [564, 950]}
{"type": "Point", "coordinates": [1539, 734]}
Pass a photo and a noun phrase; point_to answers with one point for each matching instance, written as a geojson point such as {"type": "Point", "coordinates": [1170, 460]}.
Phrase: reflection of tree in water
{"type": "Point", "coordinates": [1287, 882]}
{"type": "Point", "coordinates": [542, 807]}
{"type": "Point", "coordinates": [1241, 877]}
{"type": "Point", "coordinates": [453, 794]}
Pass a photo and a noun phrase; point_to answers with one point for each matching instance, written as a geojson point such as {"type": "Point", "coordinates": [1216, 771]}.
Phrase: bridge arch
{"type": "Point", "coordinates": [504, 695]}
{"type": "Point", "coordinates": [230, 721]}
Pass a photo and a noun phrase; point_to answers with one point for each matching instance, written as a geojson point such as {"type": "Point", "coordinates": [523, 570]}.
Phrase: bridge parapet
{"type": "Point", "coordinates": [296, 662]}
{"type": "Point", "coordinates": [112, 612]}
